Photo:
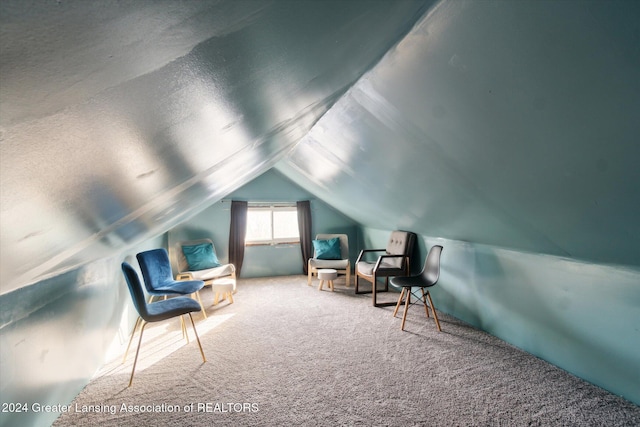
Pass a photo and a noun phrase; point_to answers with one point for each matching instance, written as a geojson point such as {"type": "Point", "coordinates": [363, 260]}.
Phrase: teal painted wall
{"type": "Point", "coordinates": [512, 124]}
{"type": "Point", "coordinates": [506, 123]}
{"type": "Point", "coordinates": [57, 333]}
{"type": "Point", "coordinates": [261, 261]}
{"type": "Point", "coordinates": [582, 317]}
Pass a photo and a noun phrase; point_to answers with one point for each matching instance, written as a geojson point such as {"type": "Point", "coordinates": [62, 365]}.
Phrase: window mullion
{"type": "Point", "coordinates": [272, 219]}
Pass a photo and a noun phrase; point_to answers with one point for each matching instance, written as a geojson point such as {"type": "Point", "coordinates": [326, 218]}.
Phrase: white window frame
{"type": "Point", "coordinates": [272, 207]}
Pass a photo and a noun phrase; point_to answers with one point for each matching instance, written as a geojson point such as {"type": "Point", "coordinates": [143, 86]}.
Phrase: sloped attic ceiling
{"type": "Point", "coordinates": [513, 124]}
{"type": "Point", "coordinates": [504, 123]}
{"type": "Point", "coordinates": [119, 119]}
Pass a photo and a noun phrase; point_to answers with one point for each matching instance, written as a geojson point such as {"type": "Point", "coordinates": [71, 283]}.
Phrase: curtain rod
{"type": "Point", "coordinates": [268, 202]}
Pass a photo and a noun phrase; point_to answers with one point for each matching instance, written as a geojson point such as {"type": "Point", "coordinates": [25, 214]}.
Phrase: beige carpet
{"type": "Point", "coordinates": [286, 354]}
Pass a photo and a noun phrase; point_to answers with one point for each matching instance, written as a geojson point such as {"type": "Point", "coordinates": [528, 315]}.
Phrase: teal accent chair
{"type": "Point", "coordinates": [158, 281]}
{"type": "Point", "coordinates": [158, 276]}
{"type": "Point", "coordinates": [156, 311]}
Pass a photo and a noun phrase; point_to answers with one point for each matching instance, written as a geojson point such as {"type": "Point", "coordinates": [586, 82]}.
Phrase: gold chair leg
{"type": "Point", "coordinates": [204, 359]}
{"type": "Point", "coordinates": [407, 302]}
{"type": "Point", "coordinates": [135, 361]}
{"type": "Point", "coordinates": [435, 316]}
{"type": "Point", "coordinates": [398, 303]}
{"type": "Point", "coordinates": [131, 339]}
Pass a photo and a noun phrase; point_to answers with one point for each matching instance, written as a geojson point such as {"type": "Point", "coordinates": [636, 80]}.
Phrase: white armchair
{"type": "Point", "coordinates": [342, 265]}
{"type": "Point", "coordinates": [208, 275]}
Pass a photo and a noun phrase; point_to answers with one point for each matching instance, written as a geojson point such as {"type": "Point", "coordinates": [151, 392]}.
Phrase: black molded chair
{"type": "Point", "coordinates": [427, 278]}
{"type": "Point", "coordinates": [157, 311]}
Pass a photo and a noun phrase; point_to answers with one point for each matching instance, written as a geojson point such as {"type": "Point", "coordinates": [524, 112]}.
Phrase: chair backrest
{"type": "Point", "coordinates": [400, 243]}
{"type": "Point", "coordinates": [183, 265]}
{"type": "Point", "coordinates": [135, 288]}
{"type": "Point", "coordinates": [431, 270]}
{"type": "Point", "coordinates": [155, 267]}
{"type": "Point", "coordinates": [344, 243]}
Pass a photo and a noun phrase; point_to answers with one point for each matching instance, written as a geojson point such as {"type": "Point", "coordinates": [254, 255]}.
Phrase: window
{"type": "Point", "coordinates": [272, 224]}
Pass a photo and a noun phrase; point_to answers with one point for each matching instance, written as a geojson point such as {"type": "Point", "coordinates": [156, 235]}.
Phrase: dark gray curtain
{"type": "Point", "coordinates": [237, 234]}
{"type": "Point", "coordinates": [304, 227]}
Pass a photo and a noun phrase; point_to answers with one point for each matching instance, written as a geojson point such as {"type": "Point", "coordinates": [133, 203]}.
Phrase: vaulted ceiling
{"type": "Point", "coordinates": [503, 123]}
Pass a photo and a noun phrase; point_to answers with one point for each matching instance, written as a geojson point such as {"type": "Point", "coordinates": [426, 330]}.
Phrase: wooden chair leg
{"type": "Point", "coordinates": [374, 290]}
{"type": "Point", "coordinates": [407, 302]}
{"type": "Point", "coordinates": [424, 301]}
{"type": "Point", "coordinates": [398, 303]}
{"type": "Point", "coordinates": [204, 313]}
{"type": "Point", "coordinates": [435, 316]}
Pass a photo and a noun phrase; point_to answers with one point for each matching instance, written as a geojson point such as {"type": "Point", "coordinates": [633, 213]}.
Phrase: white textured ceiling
{"type": "Point", "coordinates": [120, 119]}
{"type": "Point", "coordinates": [504, 123]}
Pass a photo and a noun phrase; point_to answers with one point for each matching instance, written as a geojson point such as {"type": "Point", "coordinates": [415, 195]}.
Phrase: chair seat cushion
{"type": "Point", "coordinates": [338, 264]}
{"type": "Point", "coordinates": [411, 281]}
{"type": "Point", "coordinates": [166, 309]}
{"type": "Point", "coordinates": [384, 269]}
{"type": "Point", "coordinates": [178, 287]}
{"type": "Point", "coordinates": [212, 273]}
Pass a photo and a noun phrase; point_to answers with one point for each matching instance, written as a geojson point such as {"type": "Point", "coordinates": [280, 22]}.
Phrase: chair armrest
{"type": "Point", "coordinates": [381, 257]}
{"type": "Point", "coordinates": [362, 252]}
{"type": "Point", "coordinates": [184, 276]}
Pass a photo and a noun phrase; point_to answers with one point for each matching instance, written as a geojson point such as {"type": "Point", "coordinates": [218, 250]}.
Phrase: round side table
{"type": "Point", "coordinates": [223, 287]}
{"type": "Point", "coordinates": [328, 274]}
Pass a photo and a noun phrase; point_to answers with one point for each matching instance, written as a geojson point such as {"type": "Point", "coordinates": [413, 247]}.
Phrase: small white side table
{"type": "Point", "coordinates": [223, 287]}
{"type": "Point", "coordinates": [328, 274]}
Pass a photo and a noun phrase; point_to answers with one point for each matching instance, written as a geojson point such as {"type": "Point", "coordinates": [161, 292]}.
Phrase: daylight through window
{"type": "Point", "coordinates": [270, 224]}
